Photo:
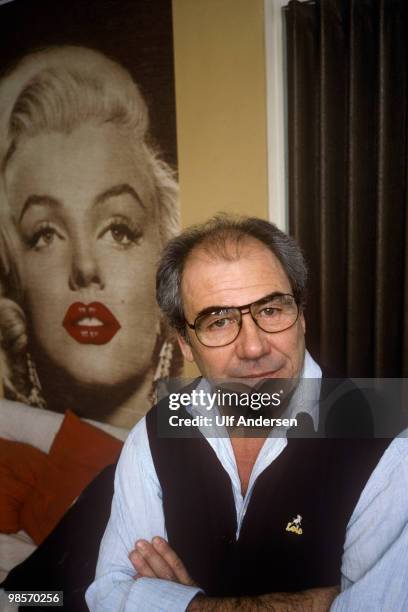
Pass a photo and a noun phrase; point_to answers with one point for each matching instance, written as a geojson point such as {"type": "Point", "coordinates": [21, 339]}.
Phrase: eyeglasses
{"type": "Point", "coordinates": [220, 326]}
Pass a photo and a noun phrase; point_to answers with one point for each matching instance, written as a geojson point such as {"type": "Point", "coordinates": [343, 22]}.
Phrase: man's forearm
{"type": "Point", "coordinates": [313, 600]}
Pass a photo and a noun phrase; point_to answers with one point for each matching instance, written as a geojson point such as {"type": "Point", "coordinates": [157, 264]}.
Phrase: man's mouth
{"type": "Point", "coordinates": [268, 374]}
{"type": "Point", "coordinates": [90, 323]}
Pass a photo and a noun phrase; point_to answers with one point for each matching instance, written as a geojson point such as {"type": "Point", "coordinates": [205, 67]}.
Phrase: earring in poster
{"type": "Point", "coordinates": [165, 357]}
{"type": "Point", "coordinates": [35, 397]}
{"type": "Point", "coordinates": [163, 367]}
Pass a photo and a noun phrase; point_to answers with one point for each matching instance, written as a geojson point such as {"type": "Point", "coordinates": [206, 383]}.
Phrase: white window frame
{"type": "Point", "coordinates": [276, 115]}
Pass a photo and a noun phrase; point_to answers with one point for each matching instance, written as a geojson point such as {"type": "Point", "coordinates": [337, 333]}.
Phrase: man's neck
{"type": "Point", "coordinates": [246, 451]}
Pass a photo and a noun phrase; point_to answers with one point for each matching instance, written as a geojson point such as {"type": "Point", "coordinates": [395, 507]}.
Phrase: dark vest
{"type": "Point", "coordinates": [318, 479]}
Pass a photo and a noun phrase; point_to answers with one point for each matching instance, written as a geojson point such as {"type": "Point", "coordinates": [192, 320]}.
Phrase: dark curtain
{"type": "Point", "coordinates": [347, 137]}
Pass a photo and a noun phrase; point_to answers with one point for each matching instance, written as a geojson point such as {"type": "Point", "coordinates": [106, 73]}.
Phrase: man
{"type": "Point", "coordinates": [250, 523]}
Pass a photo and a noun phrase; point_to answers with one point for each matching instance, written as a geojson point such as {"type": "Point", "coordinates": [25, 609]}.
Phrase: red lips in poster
{"type": "Point", "coordinates": [90, 323]}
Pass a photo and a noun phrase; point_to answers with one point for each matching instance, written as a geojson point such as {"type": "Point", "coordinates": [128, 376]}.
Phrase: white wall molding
{"type": "Point", "coordinates": [276, 113]}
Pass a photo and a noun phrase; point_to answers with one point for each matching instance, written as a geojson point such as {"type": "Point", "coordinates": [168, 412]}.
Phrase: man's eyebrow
{"type": "Point", "coordinates": [38, 200]}
{"type": "Point", "coordinates": [118, 190]}
{"type": "Point", "coordinates": [214, 309]}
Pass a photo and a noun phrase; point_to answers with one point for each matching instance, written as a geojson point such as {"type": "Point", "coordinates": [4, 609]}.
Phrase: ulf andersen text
{"type": "Point", "coordinates": [229, 421]}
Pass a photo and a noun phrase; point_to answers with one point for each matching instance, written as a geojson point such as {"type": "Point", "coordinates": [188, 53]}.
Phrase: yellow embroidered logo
{"type": "Point", "coordinates": [294, 525]}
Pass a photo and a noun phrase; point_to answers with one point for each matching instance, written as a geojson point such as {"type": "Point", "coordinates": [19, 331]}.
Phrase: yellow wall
{"type": "Point", "coordinates": [221, 108]}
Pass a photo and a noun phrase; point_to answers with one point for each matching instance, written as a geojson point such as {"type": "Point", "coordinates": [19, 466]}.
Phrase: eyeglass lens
{"type": "Point", "coordinates": [271, 315]}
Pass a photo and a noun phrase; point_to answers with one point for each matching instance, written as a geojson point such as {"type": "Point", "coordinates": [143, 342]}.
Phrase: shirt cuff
{"type": "Point", "coordinates": [157, 594]}
{"type": "Point", "coordinates": [147, 594]}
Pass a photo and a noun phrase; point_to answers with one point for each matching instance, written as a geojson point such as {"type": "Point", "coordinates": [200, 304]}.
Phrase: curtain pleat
{"type": "Point", "coordinates": [392, 184]}
{"type": "Point", "coordinates": [347, 128]}
{"type": "Point", "coordinates": [361, 198]}
{"type": "Point", "coordinates": [405, 298]}
{"type": "Point", "coordinates": [333, 155]}
{"type": "Point", "coordinates": [303, 147]}
{"type": "Point", "coordinates": [382, 218]}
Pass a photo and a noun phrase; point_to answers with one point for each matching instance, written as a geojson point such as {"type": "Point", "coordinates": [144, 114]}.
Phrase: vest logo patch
{"type": "Point", "coordinates": [294, 526]}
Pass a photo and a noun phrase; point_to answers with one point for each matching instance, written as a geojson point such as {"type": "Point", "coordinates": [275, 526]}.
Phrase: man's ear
{"type": "Point", "coordinates": [185, 347]}
{"type": "Point", "coordinates": [302, 322]}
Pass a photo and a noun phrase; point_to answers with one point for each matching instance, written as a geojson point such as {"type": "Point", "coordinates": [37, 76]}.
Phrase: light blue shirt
{"type": "Point", "coordinates": [375, 560]}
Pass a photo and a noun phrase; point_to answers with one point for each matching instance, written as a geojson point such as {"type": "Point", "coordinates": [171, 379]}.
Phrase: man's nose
{"type": "Point", "coordinates": [252, 342]}
{"type": "Point", "coordinates": [85, 269]}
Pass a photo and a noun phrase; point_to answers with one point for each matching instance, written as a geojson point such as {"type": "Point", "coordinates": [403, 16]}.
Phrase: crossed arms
{"type": "Point", "coordinates": [156, 559]}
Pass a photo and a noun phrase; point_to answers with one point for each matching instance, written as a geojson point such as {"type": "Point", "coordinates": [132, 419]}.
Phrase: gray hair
{"type": "Point", "coordinates": [59, 89]}
{"type": "Point", "coordinates": [216, 237]}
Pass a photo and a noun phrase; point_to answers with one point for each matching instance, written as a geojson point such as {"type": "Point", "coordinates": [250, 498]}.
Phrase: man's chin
{"type": "Point", "coordinates": [252, 383]}
{"type": "Point", "coordinates": [253, 380]}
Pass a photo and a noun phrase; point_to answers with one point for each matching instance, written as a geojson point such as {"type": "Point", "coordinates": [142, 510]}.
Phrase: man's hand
{"type": "Point", "coordinates": [156, 559]}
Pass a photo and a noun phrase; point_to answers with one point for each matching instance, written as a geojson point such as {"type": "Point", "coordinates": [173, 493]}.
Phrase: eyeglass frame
{"type": "Point", "coordinates": [213, 310]}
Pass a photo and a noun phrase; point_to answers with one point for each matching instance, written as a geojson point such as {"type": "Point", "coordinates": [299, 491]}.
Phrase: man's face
{"type": "Point", "coordinates": [255, 353]}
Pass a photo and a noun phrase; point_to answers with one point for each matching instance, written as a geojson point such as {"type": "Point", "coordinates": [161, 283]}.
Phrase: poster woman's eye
{"type": "Point", "coordinates": [43, 237]}
{"type": "Point", "coordinates": [121, 233]}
